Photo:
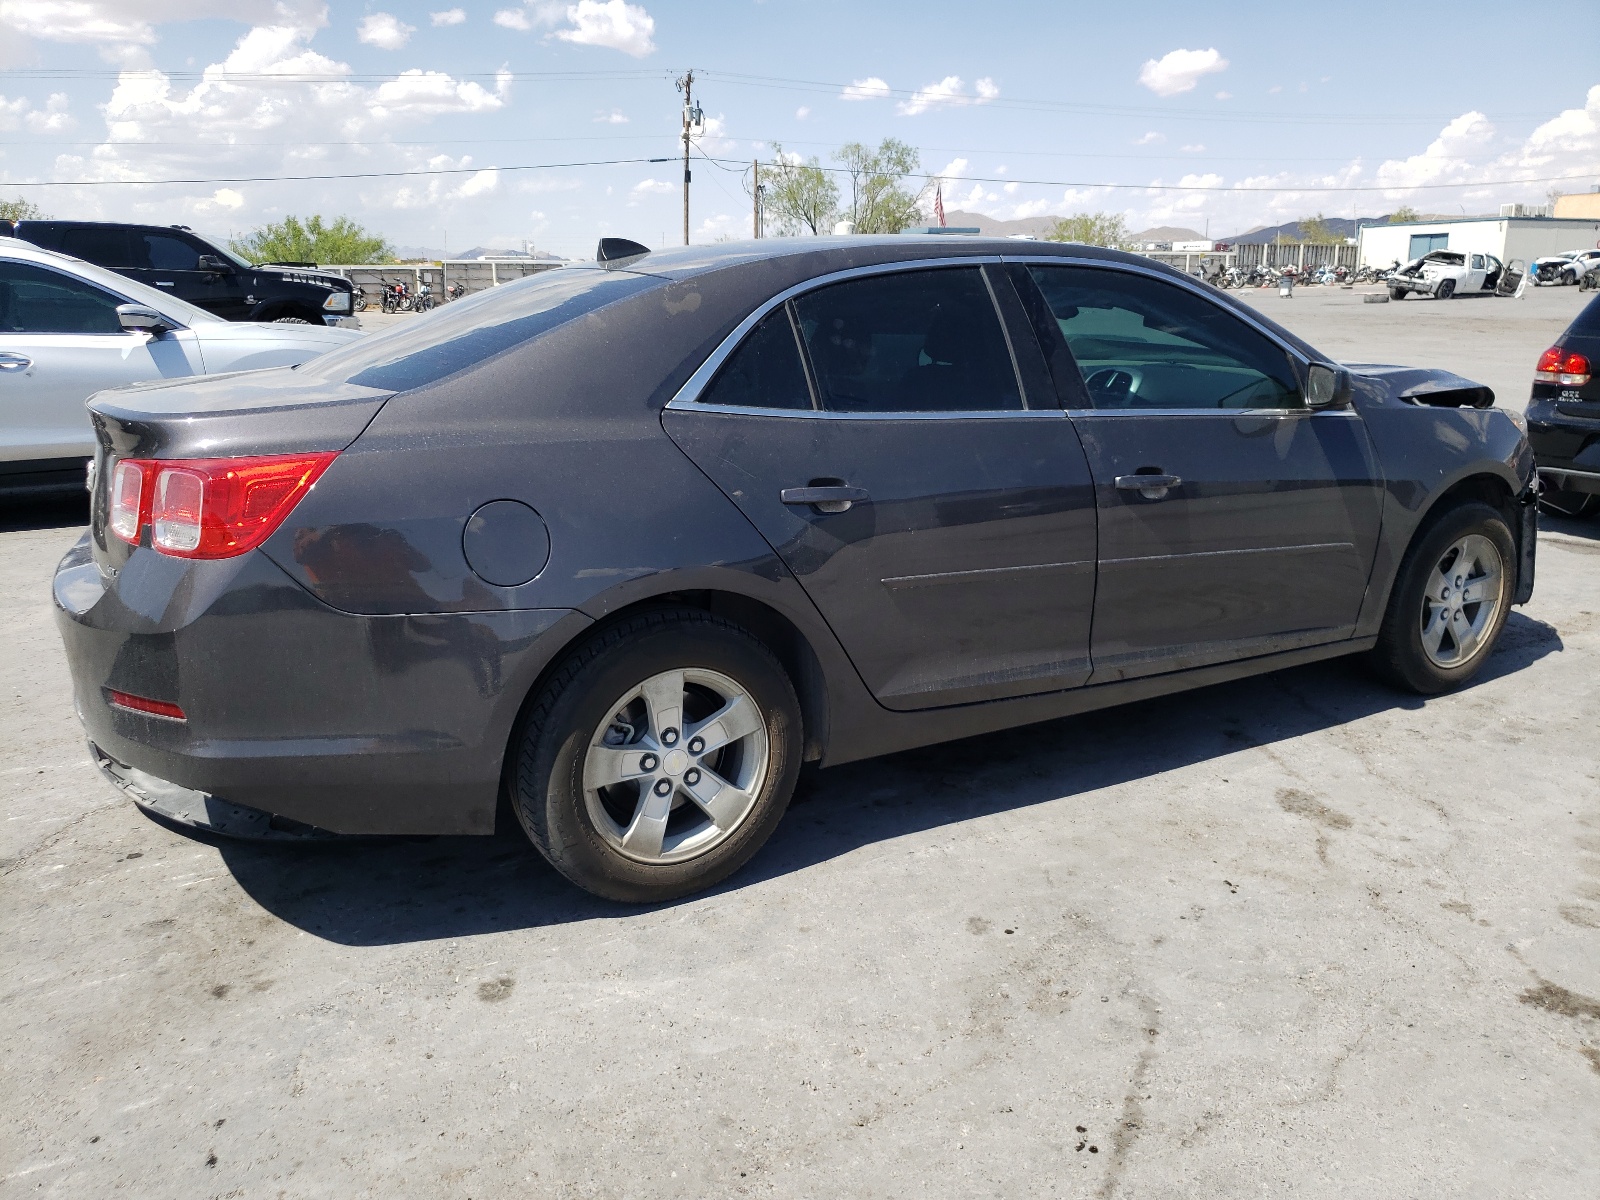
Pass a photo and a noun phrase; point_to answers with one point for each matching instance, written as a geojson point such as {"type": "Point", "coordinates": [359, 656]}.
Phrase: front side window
{"type": "Point", "coordinates": [765, 371]}
{"type": "Point", "coordinates": [910, 341]}
{"type": "Point", "coordinates": [1144, 343]}
{"type": "Point", "coordinates": [168, 253]}
{"type": "Point", "coordinates": [34, 300]}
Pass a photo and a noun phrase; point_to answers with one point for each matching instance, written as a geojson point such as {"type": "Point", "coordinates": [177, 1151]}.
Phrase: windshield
{"type": "Point", "coordinates": [243, 264]}
{"type": "Point", "coordinates": [466, 332]}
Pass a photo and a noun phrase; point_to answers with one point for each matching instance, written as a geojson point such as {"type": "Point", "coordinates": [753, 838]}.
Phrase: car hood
{"type": "Point", "coordinates": [265, 334]}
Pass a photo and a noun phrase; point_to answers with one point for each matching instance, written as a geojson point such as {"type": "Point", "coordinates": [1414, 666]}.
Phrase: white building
{"type": "Point", "coordinates": [1506, 238]}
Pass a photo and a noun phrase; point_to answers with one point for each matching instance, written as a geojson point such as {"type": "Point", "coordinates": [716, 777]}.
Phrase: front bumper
{"type": "Point", "coordinates": [350, 724]}
{"type": "Point", "coordinates": [342, 322]}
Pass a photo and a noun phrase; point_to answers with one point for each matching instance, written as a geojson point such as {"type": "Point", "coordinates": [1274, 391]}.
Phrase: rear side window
{"type": "Point", "coordinates": [911, 341]}
{"type": "Point", "coordinates": [1144, 343]}
{"type": "Point", "coordinates": [107, 246]}
{"type": "Point", "coordinates": [765, 371]}
{"type": "Point", "coordinates": [35, 300]}
{"type": "Point", "coordinates": [469, 331]}
{"type": "Point", "coordinates": [167, 253]}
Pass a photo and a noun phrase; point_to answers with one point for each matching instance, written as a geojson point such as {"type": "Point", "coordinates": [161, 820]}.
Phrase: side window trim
{"type": "Point", "coordinates": [805, 356]}
{"type": "Point", "coordinates": [1083, 406]}
{"type": "Point", "coordinates": [687, 396]}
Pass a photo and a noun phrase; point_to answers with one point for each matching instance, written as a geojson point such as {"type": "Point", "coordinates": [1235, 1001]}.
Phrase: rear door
{"type": "Point", "coordinates": [878, 432]}
{"type": "Point", "coordinates": [60, 342]}
{"type": "Point", "coordinates": [1233, 520]}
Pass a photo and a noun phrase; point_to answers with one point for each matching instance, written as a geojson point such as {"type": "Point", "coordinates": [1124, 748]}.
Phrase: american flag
{"type": "Point", "coordinates": [938, 203]}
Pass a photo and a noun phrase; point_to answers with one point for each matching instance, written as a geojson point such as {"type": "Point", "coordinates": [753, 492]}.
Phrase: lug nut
{"type": "Point", "coordinates": [691, 777]}
{"type": "Point", "coordinates": [647, 762]}
{"type": "Point", "coordinates": [697, 745]}
{"type": "Point", "coordinates": [663, 787]}
{"type": "Point", "coordinates": [669, 737]}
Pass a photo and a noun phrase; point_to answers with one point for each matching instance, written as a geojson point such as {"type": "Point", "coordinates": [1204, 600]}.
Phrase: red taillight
{"type": "Point", "coordinates": [210, 507]}
{"type": "Point", "coordinates": [145, 705]}
{"type": "Point", "coordinates": [1558, 366]}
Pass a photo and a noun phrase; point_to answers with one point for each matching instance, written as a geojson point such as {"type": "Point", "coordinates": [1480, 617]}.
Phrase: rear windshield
{"type": "Point", "coordinates": [1588, 322]}
{"type": "Point", "coordinates": [466, 332]}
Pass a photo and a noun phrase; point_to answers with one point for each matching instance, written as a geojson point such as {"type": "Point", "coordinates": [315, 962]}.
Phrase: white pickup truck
{"type": "Point", "coordinates": [1446, 273]}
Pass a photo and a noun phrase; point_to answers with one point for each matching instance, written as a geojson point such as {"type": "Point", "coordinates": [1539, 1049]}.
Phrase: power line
{"type": "Point", "coordinates": [604, 162]}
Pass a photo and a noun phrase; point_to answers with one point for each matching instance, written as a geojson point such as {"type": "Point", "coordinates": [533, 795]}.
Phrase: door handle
{"type": "Point", "coordinates": [12, 361]}
{"type": "Point", "coordinates": [825, 499]}
{"type": "Point", "coordinates": [1151, 487]}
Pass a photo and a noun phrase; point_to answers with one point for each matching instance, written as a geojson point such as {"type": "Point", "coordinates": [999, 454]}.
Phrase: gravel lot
{"type": "Point", "coordinates": [1295, 935]}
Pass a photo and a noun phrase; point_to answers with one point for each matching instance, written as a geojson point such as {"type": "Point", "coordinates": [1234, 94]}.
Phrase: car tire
{"type": "Point", "coordinates": [1412, 652]}
{"type": "Point", "coordinates": [1397, 293]}
{"type": "Point", "coordinates": [1447, 288]}
{"type": "Point", "coordinates": [1559, 502]}
{"type": "Point", "coordinates": [590, 756]}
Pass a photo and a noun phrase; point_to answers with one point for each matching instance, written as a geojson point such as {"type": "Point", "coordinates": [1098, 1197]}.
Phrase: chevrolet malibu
{"type": "Point", "coordinates": [618, 548]}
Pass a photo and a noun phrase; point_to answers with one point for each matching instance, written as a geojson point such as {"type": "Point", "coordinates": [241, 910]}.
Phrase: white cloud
{"type": "Point", "coordinates": [12, 112]}
{"type": "Point", "coordinates": [615, 117]}
{"type": "Point", "coordinates": [614, 24]}
{"type": "Point", "coordinates": [54, 117]}
{"type": "Point", "coordinates": [1224, 95]}
{"type": "Point", "coordinates": [450, 16]}
{"type": "Point", "coordinates": [955, 169]}
{"type": "Point", "coordinates": [479, 184]}
{"type": "Point", "coordinates": [870, 88]}
{"type": "Point", "coordinates": [949, 92]}
{"type": "Point", "coordinates": [1179, 70]}
{"type": "Point", "coordinates": [653, 187]}
{"type": "Point", "coordinates": [225, 198]}
{"type": "Point", "coordinates": [513, 18]}
{"type": "Point", "coordinates": [1150, 139]}
{"type": "Point", "coordinates": [1275, 89]}
{"type": "Point", "coordinates": [385, 31]}
{"type": "Point", "coordinates": [1447, 156]}
{"type": "Point", "coordinates": [1196, 148]}
{"type": "Point", "coordinates": [426, 93]}
{"type": "Point", "coordinates": [801, 113]}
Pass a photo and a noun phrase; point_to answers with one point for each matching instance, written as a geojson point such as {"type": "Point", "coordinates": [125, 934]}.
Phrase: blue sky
{"type": "Point", "coordinates": [1023, 109]}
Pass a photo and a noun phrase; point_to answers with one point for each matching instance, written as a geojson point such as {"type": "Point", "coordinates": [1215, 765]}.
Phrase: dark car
{"type": "Point", "coordinates": [1564, 417]}
{"type": "Point", "coordinates": [173, 258]}
{"type": "Point", "coordinates": [628, 544]}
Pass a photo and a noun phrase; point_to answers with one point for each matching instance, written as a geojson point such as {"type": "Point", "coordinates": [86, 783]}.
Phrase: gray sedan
{"type": "Point", "coordinates": [615, 549]}
{"type": "Point", "coordinates": [69, 329]}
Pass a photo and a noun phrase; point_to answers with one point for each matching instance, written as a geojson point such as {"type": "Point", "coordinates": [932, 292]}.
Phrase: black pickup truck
{"type": "Point", "coordinates": [172, 258]}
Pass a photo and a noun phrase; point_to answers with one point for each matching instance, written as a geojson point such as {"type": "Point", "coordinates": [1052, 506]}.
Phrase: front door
{"type": "Point", "coordinates": [60, 342]}
{"type": "Point", "coordinates": [171, 261]}
{"type": "Point", "coordinates": [1233, 520]}
{"type": "Point", "coordinates": [877, 433]}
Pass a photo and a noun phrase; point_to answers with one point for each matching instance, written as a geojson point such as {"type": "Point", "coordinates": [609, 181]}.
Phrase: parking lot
{"type": "Point", "coordinates": [1293, 935]}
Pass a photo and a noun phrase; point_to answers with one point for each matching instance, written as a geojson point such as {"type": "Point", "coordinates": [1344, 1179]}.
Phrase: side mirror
{"type": "Point", "coordinates": [211, 262]}
{"type": "Point", "coordinates": [138, 318]}
{"type": "Point", "coordinates": [1327, 387]}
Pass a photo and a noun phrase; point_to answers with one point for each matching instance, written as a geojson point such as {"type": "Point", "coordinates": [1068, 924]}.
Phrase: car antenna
{"type": "Point", "coordinates": [617, 249]}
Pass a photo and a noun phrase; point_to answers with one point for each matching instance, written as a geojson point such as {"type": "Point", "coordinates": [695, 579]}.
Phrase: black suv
{"type": "Point", "coordinates": [1564, 417]}
{"type": "Point", "coordinates": [172, 258]}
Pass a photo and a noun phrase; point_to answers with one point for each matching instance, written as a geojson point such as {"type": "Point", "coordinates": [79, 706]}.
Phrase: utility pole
{"type": "Point", "coordinates": [755, 195]}
{"type": "Point", "coordinates": [691, 117]}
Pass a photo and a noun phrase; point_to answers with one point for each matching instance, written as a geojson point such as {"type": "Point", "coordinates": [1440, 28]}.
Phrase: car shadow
{"type": "Point", "coordinates": [385, 891]}
{"type": "Point", "coordinates": [1587, 528]}
{"type": "Point", "coordinates": [52, 510]}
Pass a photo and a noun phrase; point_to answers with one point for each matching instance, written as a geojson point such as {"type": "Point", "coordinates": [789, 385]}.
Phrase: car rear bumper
{"type": "Point", "coordinates": [1565, 437]}
{"type": "Point", "coordinates": [350, 724]}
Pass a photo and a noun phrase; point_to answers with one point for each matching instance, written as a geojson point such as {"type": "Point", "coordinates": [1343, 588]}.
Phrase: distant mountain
{"type": "Point", "coordinates": [407, 253]}
{"type": "Point", "coordinates": [990, 227]}
{"type": "Point", "coordinates": [1167, 233]}
{"type": "Point", "coordinates": [1262, 235]}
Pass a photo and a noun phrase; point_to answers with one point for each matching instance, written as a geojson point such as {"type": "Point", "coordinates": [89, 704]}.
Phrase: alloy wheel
{"type": "Point", "coordinates": [676, 766]}
{"type": "Point", "coordinates": [1463, 595]}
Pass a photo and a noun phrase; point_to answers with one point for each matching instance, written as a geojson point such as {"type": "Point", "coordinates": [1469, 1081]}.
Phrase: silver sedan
{"type": "Point", "coordinates": [69, 329]}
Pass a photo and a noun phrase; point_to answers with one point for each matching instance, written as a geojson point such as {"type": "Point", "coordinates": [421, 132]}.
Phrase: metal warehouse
{"type": "Point", "coordinates": [1505, 237]}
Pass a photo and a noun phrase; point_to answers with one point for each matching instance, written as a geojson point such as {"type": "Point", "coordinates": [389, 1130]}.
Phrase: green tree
{"type": "Point", "coordinates": [1404, 213]}
{"type": "Point", "coordinates": [20, 210]}
{"type": "Point", "coordinates": [294, 240]}
{"type": "Point", "coordinates": [798, 197]}
{"type": "Point", "coordinates": [880, 201]}
{"type": "Point", "coordinates": [1317, 232]}
{"type": "Point", "coordinates": [1092, 229]}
